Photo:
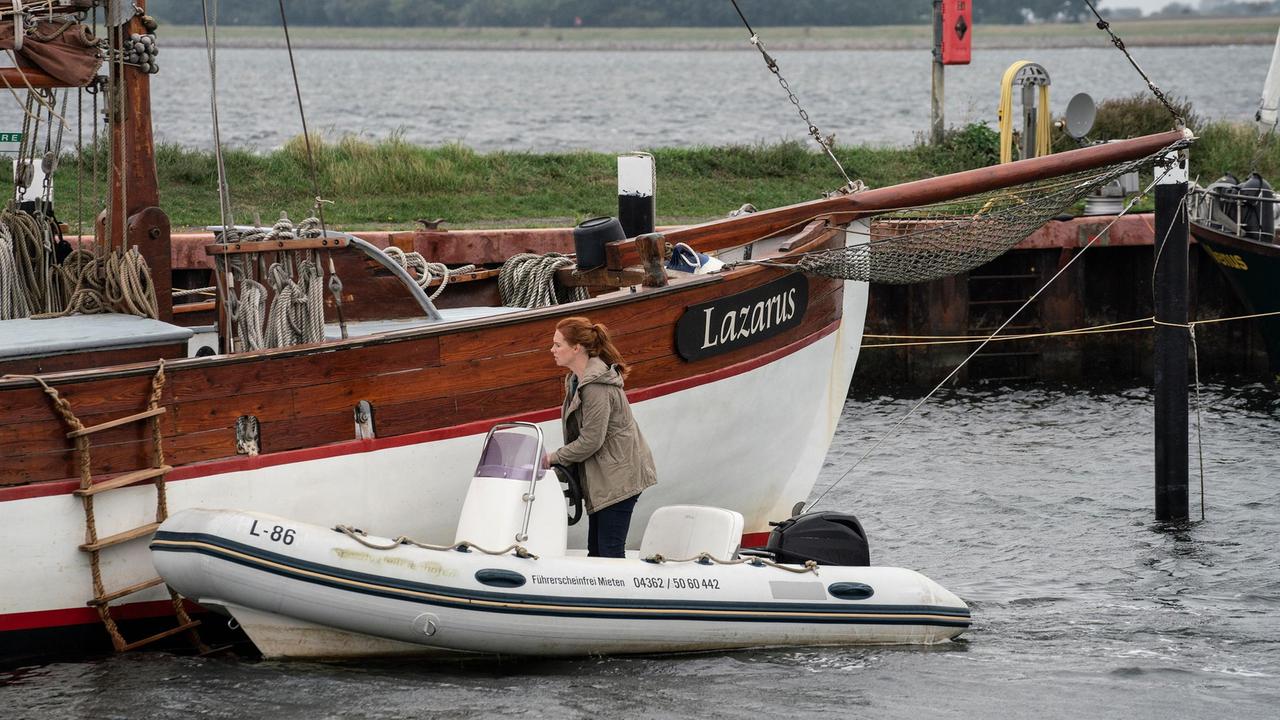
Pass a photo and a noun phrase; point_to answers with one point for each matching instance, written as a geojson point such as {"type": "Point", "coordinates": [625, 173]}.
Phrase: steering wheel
{"type": "Point", "coordinates": [573, 491]}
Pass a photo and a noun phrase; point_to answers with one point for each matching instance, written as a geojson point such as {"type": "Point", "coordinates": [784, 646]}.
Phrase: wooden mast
{"type": "Point", "coordinates": [133, 217]}
{"type": "Point", "coordinates": [134, 187]}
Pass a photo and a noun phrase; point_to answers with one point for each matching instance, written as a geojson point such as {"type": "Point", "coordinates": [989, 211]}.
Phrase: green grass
{"type": "Point", "coordinates": [391, 183]}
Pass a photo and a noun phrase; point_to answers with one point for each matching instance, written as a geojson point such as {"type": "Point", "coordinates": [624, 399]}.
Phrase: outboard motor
{"type": "Point", "coordinates": [1257, 216]}
{"type": "Point", "coordinates": [827, 538]}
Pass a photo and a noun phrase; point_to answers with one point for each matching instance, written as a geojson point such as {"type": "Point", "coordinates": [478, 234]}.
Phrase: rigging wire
{"type": "Point", "coordinates": [211, 52]}
{"type": "Point", "coordinates": [335, 283]}
{"type": "Point", "coordinates": [226, 289]}
{"type": "Point", "coordinates": [112, 111]}
{"type": "Point", "coordinates": [302, 114]}
{"type": "Point", "coordinates": [826, 142]}
{"type": "Point", "coordinates": [985, 342]}
{"type": "Point", "coordinates": [1115, 40]}
{"type": "Point", "coordinates": [97, 184]}
{"type": "Point", "coordinates": [80, 166]}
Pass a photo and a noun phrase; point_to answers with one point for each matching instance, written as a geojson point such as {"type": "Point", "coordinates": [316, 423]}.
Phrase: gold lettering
{"type": "Point", "coordinates": [1234, 262]}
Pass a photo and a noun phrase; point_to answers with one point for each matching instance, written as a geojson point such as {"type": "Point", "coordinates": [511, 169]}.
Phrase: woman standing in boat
{"type": "Point", "coordinates": [601, 436]}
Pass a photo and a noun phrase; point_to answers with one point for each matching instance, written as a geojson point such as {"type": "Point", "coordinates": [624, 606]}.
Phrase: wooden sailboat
{"type": "Point", "coordinates": [110, 422]}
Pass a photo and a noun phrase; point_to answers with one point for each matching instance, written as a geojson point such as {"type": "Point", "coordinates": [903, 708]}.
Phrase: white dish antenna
{"type": "Point", "coordinates": [1081, 112]}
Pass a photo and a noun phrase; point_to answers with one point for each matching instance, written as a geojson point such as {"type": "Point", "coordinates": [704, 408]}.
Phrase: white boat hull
{"type": "Point", "coordinates": [300, 590]}
{"type": "Point", "coordinates": [751, 441]}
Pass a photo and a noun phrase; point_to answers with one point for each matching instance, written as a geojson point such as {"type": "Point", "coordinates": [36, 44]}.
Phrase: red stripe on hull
{"type": "Point", "coordinates": [84, 616]}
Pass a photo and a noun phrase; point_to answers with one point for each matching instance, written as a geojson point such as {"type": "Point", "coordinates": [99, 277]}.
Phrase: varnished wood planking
{"type": "Point", "coordinates": [107, 459]}
{"type": "Point", "coordinates": [215, 413]}
{"type": "Point", "coordinates": [197, 447]}
{"type": "Point", "coordinates": [509, 401]}
{"type": "Point", "coordinates": [89, 397]}
{"type": "Point", "coordinates": [37, 437]}
{"type": "Point", "coordinates": [284, 371]}
{"type": "Point", "coordinates": [447, 380]}
{"type": "Point", "coordinates": [485, 246]}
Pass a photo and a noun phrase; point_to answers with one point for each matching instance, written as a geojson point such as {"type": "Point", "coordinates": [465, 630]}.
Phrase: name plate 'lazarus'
{"type": "Point", "coordinates": [742, 319]}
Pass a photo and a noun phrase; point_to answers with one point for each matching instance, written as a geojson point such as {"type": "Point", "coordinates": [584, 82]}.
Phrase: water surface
{"type": "Point", "coordinates": [1032, 504]}
{"type": "Point", "coordinates": [619, 101]}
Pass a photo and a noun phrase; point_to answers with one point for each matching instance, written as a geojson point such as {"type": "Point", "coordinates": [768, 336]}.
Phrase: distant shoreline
{"type": "Point", "coordinates": [1139, 33]}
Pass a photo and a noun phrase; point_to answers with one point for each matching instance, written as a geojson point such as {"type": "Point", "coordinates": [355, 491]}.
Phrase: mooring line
{"type": "Point", "coordinates": [927, 340]}
{"type": "Point", "coordinates": [1115, 327]}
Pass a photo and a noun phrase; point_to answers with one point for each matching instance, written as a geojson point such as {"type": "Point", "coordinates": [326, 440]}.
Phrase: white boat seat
{"type": "Point", "coordinates": [677, 532]}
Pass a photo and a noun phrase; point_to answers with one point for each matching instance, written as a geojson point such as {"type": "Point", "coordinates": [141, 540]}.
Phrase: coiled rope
{"type": "Point", "coordinates": [1044, 119]}
{"type": "Point", "coordinates": [426, 271]}
{"type": "Point", "coordinates": [15, 300]}
{"type": "Point", "coordinates": [528, 280]}
{"type": "Point", "coordinates": [296, 313]}
{"type": "Point", "coordinates": [87, 281]}
{"type": "Point", "coordinates": [247, 310]}
{"type": "Point", "coordinates": [25, 257]}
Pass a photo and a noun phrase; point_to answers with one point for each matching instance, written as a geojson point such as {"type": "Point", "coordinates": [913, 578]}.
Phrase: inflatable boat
{"type": "Point", "coordinates": [507, 585]}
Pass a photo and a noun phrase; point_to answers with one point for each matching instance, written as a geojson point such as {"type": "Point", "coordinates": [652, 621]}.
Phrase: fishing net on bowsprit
{"type": "Point", "coordinates": [919, 244]}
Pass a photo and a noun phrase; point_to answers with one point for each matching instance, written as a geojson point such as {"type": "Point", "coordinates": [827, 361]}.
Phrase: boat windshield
{"type": "Point", "coordinates": [510, 454]}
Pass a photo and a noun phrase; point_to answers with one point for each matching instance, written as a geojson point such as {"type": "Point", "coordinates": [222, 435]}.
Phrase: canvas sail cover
{"type": "Point", "coordinates": [1271, 90]}
{"type": "Point", "coordinates": [68, 53]}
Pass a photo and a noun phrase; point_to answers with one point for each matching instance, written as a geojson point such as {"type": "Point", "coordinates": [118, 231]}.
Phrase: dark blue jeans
{"type": "Point", "coordinates": [607, 529]}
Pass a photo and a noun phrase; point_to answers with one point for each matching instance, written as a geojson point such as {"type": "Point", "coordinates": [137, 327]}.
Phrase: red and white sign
{"type": "Point", "coordinates": [957, 29]}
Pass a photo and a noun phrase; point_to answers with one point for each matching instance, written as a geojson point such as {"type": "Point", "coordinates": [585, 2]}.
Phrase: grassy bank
{"type": "Point", "coordinates": [390, 184]}
{"type": "Point", "coordinates": [1190, 31]}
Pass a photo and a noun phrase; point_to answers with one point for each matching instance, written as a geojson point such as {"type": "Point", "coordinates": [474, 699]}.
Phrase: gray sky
{"type": "Point", "coordinates": [1148, 6]}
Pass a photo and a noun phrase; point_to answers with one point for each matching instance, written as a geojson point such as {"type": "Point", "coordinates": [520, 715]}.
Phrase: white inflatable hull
{"type": "Point", "coordinates": [308, 591]}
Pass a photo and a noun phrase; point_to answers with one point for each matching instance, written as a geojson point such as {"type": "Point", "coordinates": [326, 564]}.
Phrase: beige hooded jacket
{"type": "Point", "coordinates": [601, 435]}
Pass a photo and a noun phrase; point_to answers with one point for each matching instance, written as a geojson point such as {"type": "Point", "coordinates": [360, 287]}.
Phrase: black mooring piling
{"type": "Point", "coordinates": [1172, 341]}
